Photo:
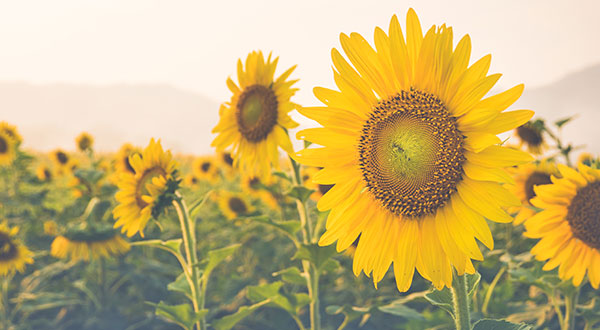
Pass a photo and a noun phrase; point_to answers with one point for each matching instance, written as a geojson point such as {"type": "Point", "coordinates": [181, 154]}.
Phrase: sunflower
{"type": "Point", "coordinates": [190, 180]}
{"type": "Point", "coordinates": [320, 189]}
{"type": "Point", "coordinates": [255, 187]}
{"type": "Point", "coordinates": [205, 168]}
{"type": "Point", "coordinates": [13, 254]}
{"type": "Point", "coordinates": [531, 135]}
{"type": "Point", "coordinates": [255, 121]}
{"type": "Point", "coordinates": [569, 225]}
{"type": "Point", "coordinates": [139, 192]}
{"type": "Point", "coordinates": [43, 173]}
{"type": "Point", "coordinates": [234, 205]}
{"type": "Point", "coordinates": [81, 244]}
{"type": "Point", "coordinates": [122, 163]}
{"type": "Point", "coordinates": [411, 149]}
{"type": "Point", "coordinates": [587, 159]}
{"type": "Point", "coordinates": [61, 158]}
{"type": "Point", "coordinates": [7, 149]}
{"type": "Point", "coordinates": [84, 141]}
{"type": "Point", "coordinates": [11, 131]}
{"type": "Point", "coordinates": [528, 176]}
{"type": "Point", "coordinates": [225, 160]}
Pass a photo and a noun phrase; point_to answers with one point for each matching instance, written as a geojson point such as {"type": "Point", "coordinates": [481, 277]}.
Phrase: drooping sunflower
{"type": "Point", "coordinates": [7, 149]}
{"type": "Point", "coordinates": [255, 120]}
{"type": "Point", "coordinates": [205, 168]}
{"type": "Point", "coordinates": [234, 205]}
{"type": "Point", "coordinates": [569, 225]}
{"type": "Point", "coordinates": [320, 189]}
{"type": "Point", "coordinates": [43, 173]}
{"type": "Point", "coordinates": [410, 145]}
{"type": "Point", "coordinates": [84, 141]}
{"type": "Point", "coordinates": [527, 177]}
{"type": "Point", "coordinates": [138, 193]}
{"type": "Point", "coordinates": [14, 256]}
{"type": "Point", "coordinates": [11, 131]}
{"type": "Point", "coordinates": [532, 137]}
{"type": "Point", "coordinates": [82, 244]}
{"type": "Point", "coordinates": [255, 187]}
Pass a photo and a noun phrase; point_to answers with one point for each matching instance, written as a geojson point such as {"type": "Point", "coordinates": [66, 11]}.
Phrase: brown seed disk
{"type": "Point", "coordinates": [530, 135]}
{"type": "Point", "coordinates": [256, 112]}
{"type": "Point", "coordinates": [584, 215]}
{"type": "Point", "coordinates": [237, 205]}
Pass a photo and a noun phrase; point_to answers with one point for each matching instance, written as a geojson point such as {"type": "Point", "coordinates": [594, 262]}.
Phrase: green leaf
{"type": "Point", "coordinates": [173, 245]}
{"type": "Point", "coordinates": [301, 193]}
{"type": "Point", "coordinates": [472, 283]}
{"type": "Point", "coordinates": [99, 210]}
{"type": "Point", "coordinates": [229, 321]}
{"type": "Point", "coordinates": [197, 205]}
{"type": "Point", "coordinates": [291, 275]}
{"type": "Point", "coordinates": [487, 324]}
{"type": "Point", "coordinates": [181, 285]}
{"type": "Point", "coordinates": [351, 313]}
{"type": "Point", "coordinates": [282, 175]}
{"type": "Point", "coordinates": [561, 122]}
{"type": "Point", "coordinates": [441, 298]}
{"type": "Point", "coordinates": [183, 315]}
{"type": "Point", "coordinates": [271, 291]}
{"type": "Point", "coordinates": [330, 265]}
{"type": "Point", "coordinates": [317, 255]}
{"type": "Point", "coordinates": [290, 228]}
{"type": "Point", "coordinates": [402, 311]}
{"type": "Point", "coordinates": [215, 257]}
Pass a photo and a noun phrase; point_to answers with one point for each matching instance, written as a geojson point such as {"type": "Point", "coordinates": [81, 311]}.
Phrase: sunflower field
{"type": "Point", "coordinates": [418, 202]}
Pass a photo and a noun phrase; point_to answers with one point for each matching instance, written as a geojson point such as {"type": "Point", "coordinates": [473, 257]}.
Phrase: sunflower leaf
{"type": "Point", "coordinates": [231, 320]}
{"type": "Point", "coordinates": [215, 257]}
{"type": "Point", "coordinates": [291, 275]}
{"type": "Point", "coordinates": [317, 255]}
{"type": "Point", "coordinates": [197, 205]}
{"type": "Point", "coordinates": [290, 228]}
{"type": "Point", "coordinates": [182, 315]}
{"type": "Point", "coordinates": [441, 298]}
{"type": "Point", "coordinates": [401, 310]}
{"type": "Point", "coordinates": [180, 285]}
{"type": "Point", "coordinates": [487, 324]}
{"type": "Point", "coordinates": [561, 122]}
{"type": "Point", "coordinates": [271, 291]}
{"type": "Point", "coordinates": [300, 193]}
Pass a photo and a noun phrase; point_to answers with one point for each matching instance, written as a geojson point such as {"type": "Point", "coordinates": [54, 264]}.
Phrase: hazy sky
{"type": "Point", "coordinates": [195, 44]}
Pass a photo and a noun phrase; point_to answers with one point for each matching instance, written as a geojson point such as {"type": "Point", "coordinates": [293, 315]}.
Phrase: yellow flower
{"type": "Point", "coordinates": [84, 141]}
{"type": "Point", "coordinates": [7, 149]}
{"type": "Point", "coordinates": [13, 254]}
{"type": "Point", "coordinates": [122, 163]}
{"type": "Point", "coordinates": [86, 245]}
{"type": "Point", "coordinates": [411, 149]}
{"type": "Point", "coordinates": [205, 168]}
{"type": "Point", "coordinates": [255, 121]}
{"type": "Point", "coordinates": [43, 173]}
{"type": "Point", "coordinates": [233, 205]}
{"type": "Point", "coordinates": [253, 186]}
{"type": "Point", "coordinates": [11, 131]}
{"type": "Point", "coordinates": [532, 137]}
{"type": "Point", "coordinates": [569, 225]}
{"type": "Point", "coordinates": [527, 177]}
{"type": "Point", "coordinates": [61, 158]}
{"type": "Point", "coordinates": [138, 193]}
{"type": "Point", "coordinates": [190, 180]}
{"type": "Point", "coordinates": [225, 160]}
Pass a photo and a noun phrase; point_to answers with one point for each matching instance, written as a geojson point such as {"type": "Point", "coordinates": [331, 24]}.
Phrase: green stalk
{"type": "Point", "coordinates": [462, 318]}
{"type": "Point", "coordinates": [488, 294]}
{"type": "Point", "coordinates": [189, 242]}
{"type": "Point", "coordinates": [312, 274]}
{"type": "Point", "coordinates": [570, 309]}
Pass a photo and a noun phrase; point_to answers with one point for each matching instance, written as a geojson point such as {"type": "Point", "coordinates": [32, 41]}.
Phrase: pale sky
{"type": "Point", "coordinates": [195, 44]}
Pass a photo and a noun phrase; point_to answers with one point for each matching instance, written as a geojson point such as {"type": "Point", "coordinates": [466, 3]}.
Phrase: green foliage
{"type": "Point", "coordinates": [500, 325]}
{"type": "Point", "coordinates": [183, 315]}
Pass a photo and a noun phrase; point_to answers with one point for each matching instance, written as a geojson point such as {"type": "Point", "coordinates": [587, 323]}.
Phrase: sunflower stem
{"type": "Point", "coordinates": [462, 318]}
{"type": "Point", "coordinates": [311, 273]}
{"type": "Point", "coordinates": [189, 242]}
{"type": "Point", "coordinates": [570, 309]}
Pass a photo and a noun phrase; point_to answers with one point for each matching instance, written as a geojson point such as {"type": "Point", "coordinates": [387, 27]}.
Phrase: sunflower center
{"type": "Point", "coordinates": [62, 157]}
{"type": "Point", "coordinates": [256, 112]}
{"type": "Point", "coordinates": [205, 166]}
{"type": "Point", "coordinates": [584, 215]}
{"type": "Point", "coordinates": [3, 145]}
{"type": "Point", "coordinates": [8, 249]}
{"type": "Point", "coordinates": [254, 183]}
{"type": "Point", "coordinates": [141, 189]}
{"type": "Point", "coordinates": [47, 174]}
{"type": "Point", "coordinates": [237, 205]}
{"type": "Point", "coordinates": [411, 154]}
{"type": "Point", "coordinates": [227, 159]}
{"type": "Point", "coordinates": [535, 179]}
{"type": "Point", "coordinates": [529, 135]}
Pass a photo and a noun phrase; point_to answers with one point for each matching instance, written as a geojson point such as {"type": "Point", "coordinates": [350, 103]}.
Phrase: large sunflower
{"type": "Point", "coordinates": [527, 177]}
{"type": "Point", "coordinates": [139, 192]}
{"type": "Point", "coordinates": [255, 121]}
{"type": "Point", "coordinates": [411, 148]}
{"type": "Point", "coordinates": [7, 149]}
{"type": "Point", "coordinates": [13, 254]}
{"type": "Point", "coordinates": [569, 225]}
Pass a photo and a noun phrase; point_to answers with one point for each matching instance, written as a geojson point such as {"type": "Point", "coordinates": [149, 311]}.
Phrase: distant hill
{"type": "Point", "coordinates": [575, 94]}
{"type": "Point", "coordinates": [51, 116]}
